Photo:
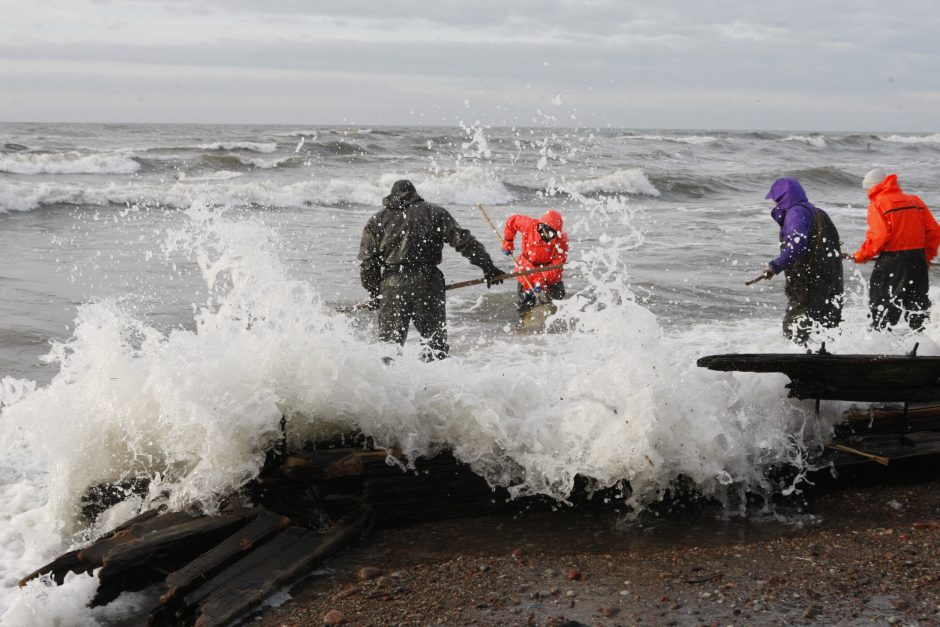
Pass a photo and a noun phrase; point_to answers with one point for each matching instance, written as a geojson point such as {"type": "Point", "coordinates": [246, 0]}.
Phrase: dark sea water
{"type": "Point", "coordinates": [167, 293]}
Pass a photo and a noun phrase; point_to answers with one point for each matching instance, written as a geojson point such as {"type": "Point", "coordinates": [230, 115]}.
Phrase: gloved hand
{"type": "Point", "coordinates": [766, 274]}
{"type": "Point", "coordinates": [490, 276]}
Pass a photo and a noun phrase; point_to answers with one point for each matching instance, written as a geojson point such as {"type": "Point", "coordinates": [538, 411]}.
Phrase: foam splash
{"type": "Point", "coordinates": [615, 400]}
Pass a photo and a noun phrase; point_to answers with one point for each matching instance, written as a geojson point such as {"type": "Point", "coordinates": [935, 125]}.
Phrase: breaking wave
{"type": "Point", "coordinates": [817, 141]}
{"type": "Point", "coordinates": [679, 139]}
{"type": "Point", "coordinates": [911, 139]}
{"type": "Point", "coordinates": [625, 181]}
{"type": "Point", "coordinates": [469, 185]}
{"type": "Point", "coordinates": [67, 163]}
{"type": "Point", "coordinates": [264, 147]}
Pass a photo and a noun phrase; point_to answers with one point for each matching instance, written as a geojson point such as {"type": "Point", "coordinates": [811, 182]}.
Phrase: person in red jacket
{"type": "Point", "coordinates": [903, 235]}
{"type": "Point", "coordinates": [544, 243]}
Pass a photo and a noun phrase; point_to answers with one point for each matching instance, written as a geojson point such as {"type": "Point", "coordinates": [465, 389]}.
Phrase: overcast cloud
{"type": "Point", "coordinates": [660, 64]}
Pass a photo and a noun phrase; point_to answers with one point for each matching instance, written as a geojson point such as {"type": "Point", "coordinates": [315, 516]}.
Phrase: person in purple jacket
{"type": "Point", "coordinates": [811, 260]}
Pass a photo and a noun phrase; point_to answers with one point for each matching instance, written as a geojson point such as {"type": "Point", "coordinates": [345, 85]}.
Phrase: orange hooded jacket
{"type": "Point", "coordinates": [897, 221]}
{"type": "Point", "coordinates": [535, 251]}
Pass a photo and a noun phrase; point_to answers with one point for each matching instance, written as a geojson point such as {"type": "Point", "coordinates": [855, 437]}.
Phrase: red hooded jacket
{"type": "Point", "coordinates": [897, 221]}
{"type": "Point", "coordinates": [535, 251]}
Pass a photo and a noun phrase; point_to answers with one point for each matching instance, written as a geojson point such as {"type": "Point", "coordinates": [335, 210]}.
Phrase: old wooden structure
{"type": "Point", "coordinates": [212, 569]}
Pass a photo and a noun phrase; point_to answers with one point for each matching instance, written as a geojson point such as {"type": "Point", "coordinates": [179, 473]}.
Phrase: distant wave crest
{"type": "Point", "coordinates": [912, 139]}
{"type": "Point", "coordinates": [465, 186]}
{"type": "Point", "coordinates": [817, 141]}
{"type": "Point", "coordinates": [624, 181]}
{"type": "Point", "coordinates": [264, 147]}
{"type": "Point", "coordinates": [67, 163]}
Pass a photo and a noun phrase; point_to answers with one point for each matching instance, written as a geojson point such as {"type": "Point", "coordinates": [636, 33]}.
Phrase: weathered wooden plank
{"type": "Point", "coordinates": [142, 561]}
{"type": "Point", "coordinates": [59, 568]}
{"type": "Point", "coordinates": [204, 567]}
{"type": "Point", "coordinates": [283, 560]}
{"type": "Point", "coordinates": [87, 559]}
{"type": "Point", "coordinates": [131, 531]}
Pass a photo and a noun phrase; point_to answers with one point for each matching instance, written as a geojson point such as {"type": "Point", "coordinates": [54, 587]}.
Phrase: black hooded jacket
{"type": "Point", "coordinates": [412, 232]}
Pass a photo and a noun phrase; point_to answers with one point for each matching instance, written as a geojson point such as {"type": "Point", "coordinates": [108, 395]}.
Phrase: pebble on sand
{"type": "Point", "coordinates": [334, 617]}
{"type": "Point", "coordinates": [368, 572]}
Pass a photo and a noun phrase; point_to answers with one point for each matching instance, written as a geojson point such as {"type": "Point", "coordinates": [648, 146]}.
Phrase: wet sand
{"type": "Point", "coordinates": [858, 554]}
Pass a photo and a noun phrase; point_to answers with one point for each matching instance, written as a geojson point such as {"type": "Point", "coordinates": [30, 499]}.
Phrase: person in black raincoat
{"type": "Point", "coordinates": [810, 258]}
{"type": "Point", "coordinates": [399, 253]}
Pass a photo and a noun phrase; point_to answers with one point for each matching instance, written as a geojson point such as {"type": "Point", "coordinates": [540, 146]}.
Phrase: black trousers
{"type": "Point", "coordinates": [415, 294]}
{"type": "Point", "coordinates": [898, 289]}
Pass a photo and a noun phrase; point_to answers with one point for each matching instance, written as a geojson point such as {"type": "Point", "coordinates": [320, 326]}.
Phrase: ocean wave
{"type": "Point", "coordinates": [911, 139]}
{"type": "Point", "coordinates": [67, 163]}
{"type": "Point", "coordinates": [691, 186]}
{"type": "Point", "coordinates": [624, 181]}
{"type": "Point", "coordinates": [817, 141]}
{"type": "Point", "coordinates": [679, 139]}
{"type": "Point", "coordinates": [469, 185]}
{"type": "Point", "coordinates": [824, 175]}
{"type": "Point", "coordinates": [264, 147]}
{"type": "Point", "coordinates": [221, 175]}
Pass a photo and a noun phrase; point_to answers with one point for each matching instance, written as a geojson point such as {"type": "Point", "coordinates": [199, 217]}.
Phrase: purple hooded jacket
{"type": "Point", "coordinates": [796, 216]}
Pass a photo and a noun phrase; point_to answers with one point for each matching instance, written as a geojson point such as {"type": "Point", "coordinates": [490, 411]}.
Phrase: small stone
{"type": "Point", "coordinates": [368, 572]}
{"type": "Point", "coordinates": [334, 617]}
{"type": "Point", "coordinates": [518, 552]}
{"type": "Point", "coordinates": [624, 593]}
{"type": "Point", "coordinates": [573, 574]}
{"type": "Point", "coordinates": [549, 572]}
{"type": "Point", "coordinates": [758, 607]}
{"type": "Point", "coordinates": [484, 568]}
{"type": "Point", "coordinates": [385, 582]}
{"type": "Point", "coordinates": [608, 612]}
{"type": "Point", "coordinates": [810, 611]}
{"type": "Point", "coordinates": [893, 620]}
{"type": "Point", "coordinates": [570, 593]}
{"type": "Point", "coordinates": [347, 592]}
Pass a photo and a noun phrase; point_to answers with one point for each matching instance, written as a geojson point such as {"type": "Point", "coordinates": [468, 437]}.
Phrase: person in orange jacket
{"type": "Point", "coordinates": [544, 243]}
{"type": "Point", "coordinates": [903, 235]}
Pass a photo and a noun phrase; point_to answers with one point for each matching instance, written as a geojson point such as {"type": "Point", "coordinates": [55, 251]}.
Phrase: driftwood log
{"type": "Point", "coordinates": [866, 378]}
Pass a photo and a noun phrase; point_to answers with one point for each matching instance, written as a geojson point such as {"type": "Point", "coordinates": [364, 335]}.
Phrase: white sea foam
{"type": "Point", "coordinates": [67, 163]}
{"type": "Point", "coordinates": [911, 139]}
{"type": "Point", "coordinates": [617, 399]}
{"type": "Point", "coordinates": [625, 181]}
{"type": "Point", "coordinates": [817, 141]}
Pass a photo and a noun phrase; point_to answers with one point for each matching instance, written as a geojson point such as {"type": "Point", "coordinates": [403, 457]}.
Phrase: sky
{"type": "Point", "coordinates": [808, 65]}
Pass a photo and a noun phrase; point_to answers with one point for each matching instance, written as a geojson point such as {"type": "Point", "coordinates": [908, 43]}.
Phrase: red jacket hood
{"type": "Point", "coordinates": [890, 184]}
{"type": "Point", "coordinates": [553, 219]}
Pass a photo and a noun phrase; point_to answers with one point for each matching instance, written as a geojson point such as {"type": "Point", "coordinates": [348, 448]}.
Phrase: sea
{"type": "Point", "coordinates": [169, 292]}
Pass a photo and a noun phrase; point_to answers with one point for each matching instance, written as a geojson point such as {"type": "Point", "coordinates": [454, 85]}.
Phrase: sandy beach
{"type": "Point", "coordinates": [860, 554]}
